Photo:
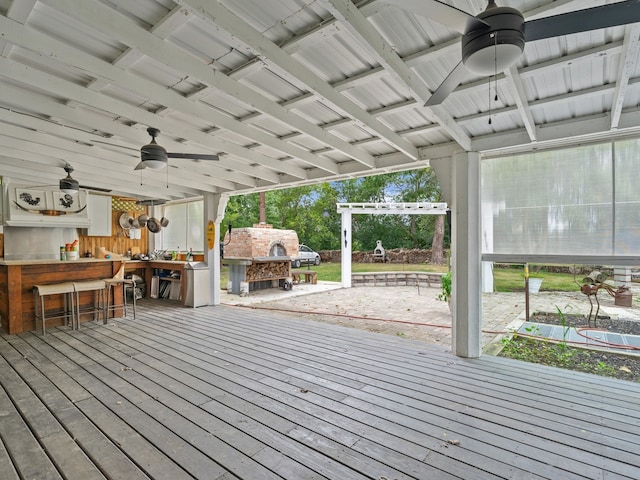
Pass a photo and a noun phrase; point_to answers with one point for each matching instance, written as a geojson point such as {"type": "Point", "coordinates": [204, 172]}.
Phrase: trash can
{"type": "Point", "coordinates": [197, 287]}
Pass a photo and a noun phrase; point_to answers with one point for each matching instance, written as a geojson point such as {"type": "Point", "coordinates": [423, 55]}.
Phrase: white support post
{"type": "Point", "coordinates": [466, 296]}
{"type": "Point", "coordinates": [345, 245]}
{"type": "Point", "coordinates": [214, 207]}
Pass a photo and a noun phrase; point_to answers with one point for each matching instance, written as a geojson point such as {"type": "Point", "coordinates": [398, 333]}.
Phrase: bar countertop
{"type": "Point", "coordinates": [88, 260]}
{"type": "Point", "coordinates": [42, 261]}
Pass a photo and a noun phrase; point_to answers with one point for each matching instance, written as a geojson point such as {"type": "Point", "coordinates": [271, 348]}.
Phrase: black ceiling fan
{"type": "Point", "coordinates": [493, 40]}
{"type": "Point", "coordinates": [155, 156]}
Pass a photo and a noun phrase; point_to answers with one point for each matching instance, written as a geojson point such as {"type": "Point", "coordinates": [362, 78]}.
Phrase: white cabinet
{"type": "Point", "coordinates": [99, 207]}
{"type": "Point", "coordinates": [45, 206]}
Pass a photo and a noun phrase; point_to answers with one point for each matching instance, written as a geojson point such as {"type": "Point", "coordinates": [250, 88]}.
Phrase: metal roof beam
{"type": "Point", "coordinates": [365, 33]}
{"type": "Point", "coordinates": [213, 12]}
{"type": "Point", "coordinates": [627, 65]}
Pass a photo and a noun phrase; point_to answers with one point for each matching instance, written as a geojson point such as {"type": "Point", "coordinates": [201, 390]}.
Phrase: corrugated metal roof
{"type": "Point", "coordinates": [284, 91]}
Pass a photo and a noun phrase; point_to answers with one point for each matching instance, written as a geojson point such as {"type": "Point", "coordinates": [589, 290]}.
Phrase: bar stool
{"type": "Point", "coordinates": [96, 286]}
{"type": "Point", "coordinates": [119, 280]}
{"type": "Point", "coordinates": [41, 291]}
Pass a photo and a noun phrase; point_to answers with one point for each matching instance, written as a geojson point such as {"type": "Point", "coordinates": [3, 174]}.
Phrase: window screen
{"type": "Point", "coordinates": [578, 201]}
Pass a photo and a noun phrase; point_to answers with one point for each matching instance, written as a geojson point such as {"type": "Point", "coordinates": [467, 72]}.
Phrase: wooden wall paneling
{"type": "Point", "coordinates": [118, 242]}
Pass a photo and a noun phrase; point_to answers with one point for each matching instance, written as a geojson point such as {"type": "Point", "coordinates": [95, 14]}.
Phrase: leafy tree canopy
{"type": "Point", "coordinates": [311, 211]}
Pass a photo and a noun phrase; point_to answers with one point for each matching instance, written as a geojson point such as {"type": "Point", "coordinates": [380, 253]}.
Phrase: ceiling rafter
{"type": "Point", "coordinates": [362, 30]}
{"type": "Point", "coordinates": [109, 74]}
{"type": "Point", "coordinates": [81, 94]}
{"type": "Point", "coordinates": [239, 99]}
{"type": "Point", "coordinates": [173, 101]}
{"type": "Point", "coordinates": [290, 68]}
{"type": "Point", "coordinates": [19, 10]}
{"type": "Point", "coordinates": [514, 83]}
{"type": "Point", "coordinates": [128, 33]}
{"type": "Point", "coordinates": [75, 116]}
{"type": "Point", "coordinates": [628, 61]}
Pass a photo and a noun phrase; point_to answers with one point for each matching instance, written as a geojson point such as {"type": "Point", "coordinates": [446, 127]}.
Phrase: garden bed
{"type": "Point", "coordinates": [563, 355]}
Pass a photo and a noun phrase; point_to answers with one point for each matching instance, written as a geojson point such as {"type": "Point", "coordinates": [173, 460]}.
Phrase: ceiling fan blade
{"type": "Point", "coordinates": [194, 156]}
{"type": "Point", "coordinates": [447, 15]}
{"type": "Point", "coordinates": [97, 189]}
{"type": "Point", "coordinates": [116, 145]}
{"type": "Point", "coordinates": [140, 166]}
{"type": "Point", "coordinates": [611, 15]}
{"type": "Point", "coordinates": [447, 86]}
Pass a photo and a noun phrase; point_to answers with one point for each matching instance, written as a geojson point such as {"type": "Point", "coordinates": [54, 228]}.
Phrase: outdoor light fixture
{"type": "Point", "coordinates": [153, 156]}
{"type": "Point", "coordinates": [487, 51]}
{"type": "Point", "coordinates": [230, 227]}
{"type": "Point", "coordinates": [69, 185]}
{"type": "Point", "coordinates": [325, 214]}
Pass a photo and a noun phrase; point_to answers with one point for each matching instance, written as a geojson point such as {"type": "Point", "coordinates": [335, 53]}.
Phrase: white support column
{"type": "Point", "coordinates": [214, 207]}
{"type": "Point", "coordinates": [467, 299]}
{"type": "Point", "coordinates": [345, 245]}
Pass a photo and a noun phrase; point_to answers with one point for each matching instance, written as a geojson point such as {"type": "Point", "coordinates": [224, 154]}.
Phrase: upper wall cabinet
{"type": "Point", "coordinates": [45, 207]}
{"type": "Point", "coordinates": [99, 207]}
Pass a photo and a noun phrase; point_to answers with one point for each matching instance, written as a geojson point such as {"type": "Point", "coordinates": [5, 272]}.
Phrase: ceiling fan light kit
{"type": "Point", "coordinates": [153, 156]}
{"type": "Point", "coordinates": [69, 185]}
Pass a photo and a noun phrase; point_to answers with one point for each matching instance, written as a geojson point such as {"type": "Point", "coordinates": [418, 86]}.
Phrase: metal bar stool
{"type": "Point", "coordinates": [97, 309]}
{"type": "Point", "coordinates": [119, 280]}
{"type": "Point", "coordinates": [41, 291]}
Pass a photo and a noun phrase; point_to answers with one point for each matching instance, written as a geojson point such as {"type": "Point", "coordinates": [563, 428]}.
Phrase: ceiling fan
{"type": "Point", "coordinates": [494, 40]}
{"type": "Point", "coordinates": [155, 156]}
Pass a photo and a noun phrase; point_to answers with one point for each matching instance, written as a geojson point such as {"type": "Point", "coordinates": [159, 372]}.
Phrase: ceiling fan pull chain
{"type": "Point", "coordinates": [495, 73]}
{"type": "Point", "coordinates": [489, 100]}
{"type": "Point", "coordinates": [495, 64]}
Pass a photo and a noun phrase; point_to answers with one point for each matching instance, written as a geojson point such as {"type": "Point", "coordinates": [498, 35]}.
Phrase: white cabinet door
{"type": "Point", "coordinates": [99, 207]}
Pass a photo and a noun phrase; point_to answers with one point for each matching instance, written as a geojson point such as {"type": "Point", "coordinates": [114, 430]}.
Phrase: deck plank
{"type": "Point", "coordinates": [434, 442]}
{"type": "Point", "coordinates": [236, 394]}
{"type": "Point", "coordinates": [7, 470]}
{"type": "Point", "coordinates": [28, 456]}
{"type": "Point", "coordinates": [567, 453]}
{"type": "Point", "coordinates": [310, 416]}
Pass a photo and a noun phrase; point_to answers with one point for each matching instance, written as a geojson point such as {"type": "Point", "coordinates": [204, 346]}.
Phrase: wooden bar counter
{"type": "Point", "coordinates": [17, 278]}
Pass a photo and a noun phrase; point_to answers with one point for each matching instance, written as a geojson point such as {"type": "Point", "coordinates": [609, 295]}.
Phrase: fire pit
{"type": "Point", "coordinates": [258, 258]}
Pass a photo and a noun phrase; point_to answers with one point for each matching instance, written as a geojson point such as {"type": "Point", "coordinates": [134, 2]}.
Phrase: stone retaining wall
{"type": "Point", "coordinates": [395, 279]}
{"type": "Point", "coordinates": [395, 255]}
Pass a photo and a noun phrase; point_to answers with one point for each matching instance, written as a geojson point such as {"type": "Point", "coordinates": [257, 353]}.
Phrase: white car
{"type": "Point", "coordinates": [305, 255]}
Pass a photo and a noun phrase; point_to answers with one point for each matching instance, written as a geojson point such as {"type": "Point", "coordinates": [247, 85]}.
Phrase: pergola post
{"type": "Point", "coordinates": [345, 246]}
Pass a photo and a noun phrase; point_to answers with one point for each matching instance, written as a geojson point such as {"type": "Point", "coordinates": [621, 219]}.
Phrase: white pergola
{"type": "Point", "coordinates": [346, 210]}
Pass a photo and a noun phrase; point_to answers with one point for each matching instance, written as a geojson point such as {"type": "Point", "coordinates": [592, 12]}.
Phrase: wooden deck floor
{"type": "Point", "coordinates": [226, 393]}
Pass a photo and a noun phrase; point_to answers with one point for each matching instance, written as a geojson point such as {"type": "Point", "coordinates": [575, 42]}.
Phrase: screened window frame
{"type": "Point", "coordinates": [189, 239]}
{"type": "Point", "coordinates": [616, 254]}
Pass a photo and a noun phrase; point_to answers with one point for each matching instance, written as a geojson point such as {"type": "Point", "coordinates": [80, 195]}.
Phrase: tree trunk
{"type": "Point", "coordinates": [437, 246]}
{"type": "Point", "coordinates": [263, 208]}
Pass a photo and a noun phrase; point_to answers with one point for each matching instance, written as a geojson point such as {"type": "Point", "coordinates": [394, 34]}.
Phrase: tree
{"type": "Point", "coordinates": [311, 211]}
{"type": "Point", "coordinates": [437, 246]}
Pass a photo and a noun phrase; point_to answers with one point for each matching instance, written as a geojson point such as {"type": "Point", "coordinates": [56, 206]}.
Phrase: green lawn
{"type": "Point", "coordinates": [510, 279]}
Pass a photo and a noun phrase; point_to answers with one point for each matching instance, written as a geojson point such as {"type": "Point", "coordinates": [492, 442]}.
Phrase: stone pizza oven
{"type": "Point", "coordinates": [261, 240]}
{"type": "Point", "coordinates": [259, 257]}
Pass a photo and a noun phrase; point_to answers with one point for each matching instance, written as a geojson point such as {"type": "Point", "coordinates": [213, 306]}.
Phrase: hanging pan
{"type": "Point", "coordinates": [123, 221]}
{"type": "Point", "coordinates": [153, 225]}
